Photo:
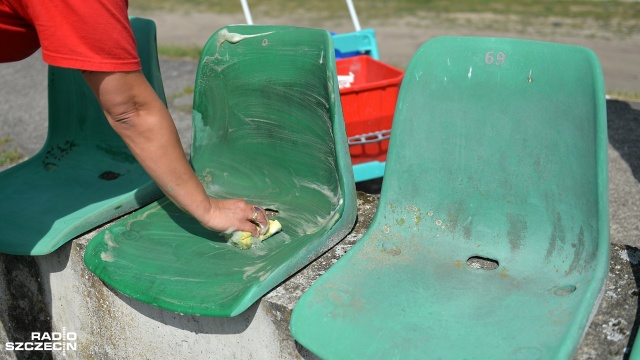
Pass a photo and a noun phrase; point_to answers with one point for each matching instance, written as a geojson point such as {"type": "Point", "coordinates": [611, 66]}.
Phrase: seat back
{"type": "Point", "coordinates": [505, 142]}
{"type": "Point", "coordinates": [74, 113]}
{"type": "Point", "coordinates": [267, 123]}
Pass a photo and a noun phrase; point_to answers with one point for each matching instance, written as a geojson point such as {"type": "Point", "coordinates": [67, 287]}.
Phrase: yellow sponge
{"type": "Point", "coordinates": [244, 239]}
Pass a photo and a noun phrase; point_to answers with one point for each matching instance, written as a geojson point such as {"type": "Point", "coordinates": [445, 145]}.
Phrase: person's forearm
{"type": "Point", "coordinates": [138, 115]}
{"type": "Point", "coordinates": [153, 139]}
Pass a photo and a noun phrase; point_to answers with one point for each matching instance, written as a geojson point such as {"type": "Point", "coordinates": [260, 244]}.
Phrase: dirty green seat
{"type": "Point", "coordinates": [491, 237]}
{"type": "Point", "coordinates": [84, 175]}
{"type": "Point", "coordinates": [267, 127]}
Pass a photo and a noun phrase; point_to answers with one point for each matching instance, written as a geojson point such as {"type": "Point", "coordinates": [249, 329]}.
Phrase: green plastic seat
{"type": "Point", "coordinates": [491, 237]}
{"type": "Point", "coordinates": [84, 175]}
{"type": "Point", "coordinates": [267, 127]}
{"type": "Point", "coordinates": [635, 350]}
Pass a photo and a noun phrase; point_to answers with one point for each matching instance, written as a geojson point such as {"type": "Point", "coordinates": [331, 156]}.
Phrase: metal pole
{"type": "Point", "coordinates": [247, 12]}
{"type": "Point", "coordinates": [354, 16]}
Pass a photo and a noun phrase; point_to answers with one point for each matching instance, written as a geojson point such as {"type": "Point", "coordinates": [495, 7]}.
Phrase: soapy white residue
{"type": "Point", "coordinates": [328, 221]}
{"type": "Point", "coordinates": [108, 257]}
{"type": "Point", "coordinates": [249, 270]}
{"type": "Point", "coordinates": [233, 38]}
{"type": "Point", "coordinates": [154, 208]}
{"type": "Point", "coordinates": [108, 239]}
{"type": "Point", "coordinates": [326, 190]}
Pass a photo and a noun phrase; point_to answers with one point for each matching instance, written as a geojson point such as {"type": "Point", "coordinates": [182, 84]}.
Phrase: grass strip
{"type": "Point", "coordinates": [8, 156]}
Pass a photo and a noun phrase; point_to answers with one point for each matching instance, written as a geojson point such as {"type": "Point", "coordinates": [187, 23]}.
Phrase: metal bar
{"type": "Point", "coordinates": [354, 15]}
{"type": "Point", "coordinates": [247, 12]}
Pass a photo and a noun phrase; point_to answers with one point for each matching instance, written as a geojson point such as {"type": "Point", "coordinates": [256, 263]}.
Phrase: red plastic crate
{"type": "Point", "coordinates": [368, 105]}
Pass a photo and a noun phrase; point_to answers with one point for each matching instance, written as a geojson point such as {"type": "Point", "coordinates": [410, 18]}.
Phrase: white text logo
{"type": "Point", "coordinates": [45, 341]}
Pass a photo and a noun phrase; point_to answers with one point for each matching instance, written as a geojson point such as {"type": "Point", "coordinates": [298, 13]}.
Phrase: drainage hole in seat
{"type": "Point", "coordinates": [564, 290]}
{"type": "Point", "coordinates": [482, 263]}
{"type": "Point", "coordinates": [109, 175]}
{"type": "Point", "coordinates": [50, 167]}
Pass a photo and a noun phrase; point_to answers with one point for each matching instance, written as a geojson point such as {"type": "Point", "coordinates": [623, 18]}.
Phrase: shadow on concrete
{"type": "Point", "coordinates": [24, 317]}
{"type": "Point", "coordinates": [305, 353]}
{"type": "Point", "coordinates": [28, 298]}
{"type": "Point", "coordinates": [634, 261]}
{"type": "Point", "coordinates": [196, 324]}
{"type": "Point", "coordinates": [372, 186]}
{"type": "Point", "coordinates": [623, 125]}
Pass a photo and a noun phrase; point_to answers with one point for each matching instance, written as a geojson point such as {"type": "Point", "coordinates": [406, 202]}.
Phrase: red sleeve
{"type": "Point", "coordinates": [85, 34]}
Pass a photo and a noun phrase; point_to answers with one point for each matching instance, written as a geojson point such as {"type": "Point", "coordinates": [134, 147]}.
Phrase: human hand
{"type": "Point", "coordinates": [235, 214]}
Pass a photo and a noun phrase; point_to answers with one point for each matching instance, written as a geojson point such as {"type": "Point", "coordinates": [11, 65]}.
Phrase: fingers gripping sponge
{"type": "Point", "coordinates": [244, 239]}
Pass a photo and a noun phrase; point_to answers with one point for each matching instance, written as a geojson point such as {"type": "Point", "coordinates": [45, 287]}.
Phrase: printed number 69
{"type": "Point", "coordinates": [498, 60]}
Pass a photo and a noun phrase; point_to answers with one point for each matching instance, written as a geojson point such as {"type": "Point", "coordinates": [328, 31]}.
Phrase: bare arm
{"type": "Point", "coordinates": [138, 115]}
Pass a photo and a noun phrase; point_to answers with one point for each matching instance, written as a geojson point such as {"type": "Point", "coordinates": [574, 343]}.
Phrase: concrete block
{"type": "Point", "coordinates": [56, 294]}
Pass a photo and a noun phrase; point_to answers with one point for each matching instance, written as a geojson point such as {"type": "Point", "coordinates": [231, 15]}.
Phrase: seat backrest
{"type": "Point", "coordinates": [500, 146]}
{"type": "Point", "coordinates": [356, 43]}
{"type": "Point", "coordinates": [74, 113]}
{"type": "Point", "coordinates": [267, 124]}
{"type": "Point", "coordinates": [74, 183]}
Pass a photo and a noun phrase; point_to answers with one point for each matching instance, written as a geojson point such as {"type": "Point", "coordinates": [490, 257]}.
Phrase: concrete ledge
{"type": "Point", "coordinates": [56, 293]}
{"type": "Point", "coordinates": [49, 293]}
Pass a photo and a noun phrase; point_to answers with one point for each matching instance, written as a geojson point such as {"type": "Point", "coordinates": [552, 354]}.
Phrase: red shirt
{"type": "Point", "coordinates": [80, 34]}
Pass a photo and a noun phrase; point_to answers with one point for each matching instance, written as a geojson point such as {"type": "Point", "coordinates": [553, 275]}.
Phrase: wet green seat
{"type": "Point", "coordinates": [267, 127]}
{"type": "Point", "coordinates": [84, 175]}
{"type": "Point", "coordinates": [491, 237]}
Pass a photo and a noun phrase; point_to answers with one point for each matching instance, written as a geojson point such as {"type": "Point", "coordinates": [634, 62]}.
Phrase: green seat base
{"type": "Point", "coordinates": [395, 299]}
{"type": "Point", "coordinates": [161, 256]}
{"type": "Point", "coordinates": [57, 201]}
